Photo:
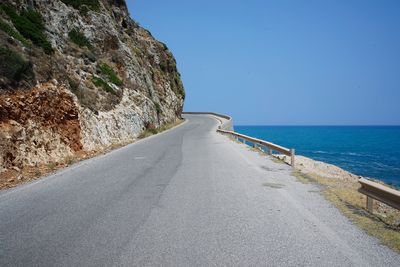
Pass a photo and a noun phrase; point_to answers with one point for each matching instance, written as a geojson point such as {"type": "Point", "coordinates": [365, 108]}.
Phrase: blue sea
{"type": "Point", "coordinates": [371, 151]}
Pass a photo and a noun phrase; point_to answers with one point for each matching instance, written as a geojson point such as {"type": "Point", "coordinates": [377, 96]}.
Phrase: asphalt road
{"type": "Point", "coordinates": [186, 197]}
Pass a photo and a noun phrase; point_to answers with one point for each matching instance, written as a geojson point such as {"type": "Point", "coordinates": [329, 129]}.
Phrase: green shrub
{"type": "Point", "coordinates": [165, 47]}
{"type": "Point", "coordinates": [91, 56]}
{"type": "Point", "coordinates": [103, 84]}
{"type": "Point", "coordinates": [83, 5]}
{"type": "Point", "coordinates": [158, 107]}
{"type": "Point", "coordinates": [150, 129]}
{"type": "Point", "coordinates": [163, 66]}
{"type": "Point", "coordinates": [35, 17]}
{"type": "Point", "coordinates": [13, 66]}
{"type": "Point", "coordinates": [110, 74]}
{"type": "Point", "coordinates": [183, 94]}
{"type": "Point", "coordinates": [74, 85]}
{"type": "Point", "coordinates": [78, 38]}
{"type": "Point", "coordinates": [30, 25]}
{"type": "Point", "coordinates": [11, 32]}
{"type": "Point", "coordinates": [177, 86]}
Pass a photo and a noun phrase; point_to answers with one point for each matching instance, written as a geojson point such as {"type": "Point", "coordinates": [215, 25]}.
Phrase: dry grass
{"type": "Point", "coordinates": [164, 127]}
{"type": "Point", "coordinates": [277, 160]}
{"type": "Point", "coordinates": [234, 139]}
{"type": "Point", "coordinates": [384, 224]}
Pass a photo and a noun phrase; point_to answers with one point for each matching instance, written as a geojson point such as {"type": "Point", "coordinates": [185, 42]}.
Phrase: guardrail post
{"type": "Point", "coordinates": [292, 156]}
{"type": "Point", "coordinates": [370, 204]}
{"type": "Point", "coordinates": [377, 192]}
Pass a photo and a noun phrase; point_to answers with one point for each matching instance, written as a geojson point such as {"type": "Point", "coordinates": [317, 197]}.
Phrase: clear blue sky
{"type": "Point", "coordinates": [284, 62]}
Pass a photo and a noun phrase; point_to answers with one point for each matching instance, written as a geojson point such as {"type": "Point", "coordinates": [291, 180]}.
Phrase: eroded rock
{"type": "Point", "coordinates": [100, 82]}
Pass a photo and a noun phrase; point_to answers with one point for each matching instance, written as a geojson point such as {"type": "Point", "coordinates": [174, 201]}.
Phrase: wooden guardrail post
{"type": "Point", "coordinates": [370, 204]}
{"type": "Point", "coordinates": [379, 192]}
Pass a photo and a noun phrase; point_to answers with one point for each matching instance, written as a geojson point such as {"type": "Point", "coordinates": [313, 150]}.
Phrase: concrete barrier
{"type": "Point", "coordinates": [226, 123]}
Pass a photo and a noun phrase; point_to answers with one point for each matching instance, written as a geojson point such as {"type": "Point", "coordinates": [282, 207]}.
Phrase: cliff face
{"type": "Point", "coordinates": [78, 75]}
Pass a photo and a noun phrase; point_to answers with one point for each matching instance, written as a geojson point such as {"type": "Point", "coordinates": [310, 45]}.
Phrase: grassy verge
{"type": "Point", "coordinates": [276, 160]}
{"type": "Point", "coordinates": [152, 131]}
{"type": "Point", "coordinates": [384, 224]}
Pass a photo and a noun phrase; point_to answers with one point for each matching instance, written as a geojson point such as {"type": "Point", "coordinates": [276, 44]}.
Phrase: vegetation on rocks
{"type": "Point", "coordinates": [83, 5]}
{"type": "Point", "coordinates": [158, 107]}
{"type": "Point", "coordinates": [99, 82]}
{"type": "Point", "coordinates": [152, 130]}
{"type": "Point", "coordinates": [79, 38]}
{"type": "Point", "coordinates": [7, 28]}
{"type": "Point", "coordinates": [178, 86]}
{"type": "Point", "coordinates": [110, 74]}
{"type": "Point", "coordinates": [13, 66]}
{"type": "Point", "coordinates": [74, 85]}
{"type": "Point", "coordinates": [30, 25]}
{"type": "Point", "coordinates": [107, 55]}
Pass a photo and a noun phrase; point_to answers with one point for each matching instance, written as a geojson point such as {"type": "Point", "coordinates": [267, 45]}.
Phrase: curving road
{"type": "Point", "coordinates": [186, 197]}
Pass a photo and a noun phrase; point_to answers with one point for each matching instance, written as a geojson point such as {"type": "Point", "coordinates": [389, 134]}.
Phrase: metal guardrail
{"type": "Point", "coordinates": [228, 126]}
{"type": "Point", "coordinates": [374, 190]}
{"type": "Point", "coordinates": [258, 142]}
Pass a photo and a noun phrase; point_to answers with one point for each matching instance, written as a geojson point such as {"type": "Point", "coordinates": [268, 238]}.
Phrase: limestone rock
{"type": "Point", "coordinates": [95, 78]}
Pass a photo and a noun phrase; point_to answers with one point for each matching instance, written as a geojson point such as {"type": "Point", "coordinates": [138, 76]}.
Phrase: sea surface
{"type": "Point", "coordinates": [370, 151]}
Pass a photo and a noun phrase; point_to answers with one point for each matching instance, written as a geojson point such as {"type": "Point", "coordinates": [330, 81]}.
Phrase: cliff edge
{"type": "Point", "coordinates": [79, 75]}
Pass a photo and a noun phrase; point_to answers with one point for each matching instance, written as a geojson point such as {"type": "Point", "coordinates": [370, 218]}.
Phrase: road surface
{"type": "Point", "coordinates": [186, 197]}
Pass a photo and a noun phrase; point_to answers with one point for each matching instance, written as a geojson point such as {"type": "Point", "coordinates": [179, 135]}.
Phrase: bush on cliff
{"type": "Point", "coordinates": [158, 107]}
{"type": "Point", "coordinates": [99, 82]}
{"type": "Point", "coordinates": [83, 5]}
{"type": "Point", "coordinates": [79, 38]}
{"type": "Point", "coordinates": [7, 28]}
{"type": "Point", "coordinates": [110, 74]}
{"type": "Point", "coordinates": [30, 25]}
{"type": "Point", "coordinates": [107, 75]}
{"type": "Point", "coordinates": [13, 66]}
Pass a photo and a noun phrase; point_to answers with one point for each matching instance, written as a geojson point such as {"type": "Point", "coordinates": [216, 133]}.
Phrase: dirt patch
{"type": "Point", "coordinates": [46, 106]}
{"type": "Point", "coordinates": [15, 176]}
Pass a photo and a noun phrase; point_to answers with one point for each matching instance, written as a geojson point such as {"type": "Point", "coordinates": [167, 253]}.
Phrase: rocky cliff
{"type": "Point", "coordinates": [78, 75]}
